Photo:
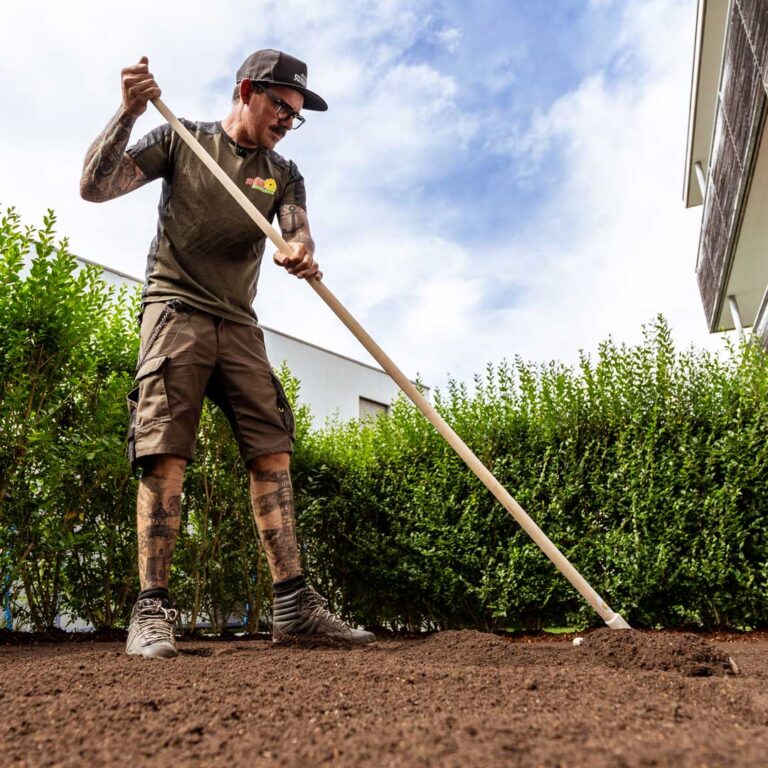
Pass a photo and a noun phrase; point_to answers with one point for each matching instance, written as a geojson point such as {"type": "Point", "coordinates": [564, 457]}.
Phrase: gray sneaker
{"type": "Point", "coordinates": [150, 633]}
{"type": "Point", "coordinates": [304, 616]}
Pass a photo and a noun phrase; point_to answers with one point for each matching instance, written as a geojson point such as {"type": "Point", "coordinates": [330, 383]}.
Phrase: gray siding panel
{"type": "Point", "coordinates": [714, 243]}
{"type": "Point", "coordinates": [739, 90]}
{"type": "Point", "coordinates": [742, 91]}
{"type": "Point", "coordinates": [726, 176]}
{"type": "Point", "coordinates": [755, 15]}
{"type": "Point", "coordinates": [707, 284]}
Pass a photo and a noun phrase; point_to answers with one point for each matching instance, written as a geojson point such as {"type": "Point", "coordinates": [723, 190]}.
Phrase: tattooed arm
{"type": "Point", "coordinates": [108, 172]}
{"type": "Point", "coordinates": [295, 227]}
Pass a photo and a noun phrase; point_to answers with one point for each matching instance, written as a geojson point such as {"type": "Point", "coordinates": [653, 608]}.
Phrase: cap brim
{"type": "Point", "coordinates": [312, 101]}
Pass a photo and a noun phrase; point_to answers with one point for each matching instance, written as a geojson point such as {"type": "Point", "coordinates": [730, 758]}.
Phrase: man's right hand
{"type": "Point", "coordinates": [108, 171]}
{"type": "Point", "coordinates": [139, 87]}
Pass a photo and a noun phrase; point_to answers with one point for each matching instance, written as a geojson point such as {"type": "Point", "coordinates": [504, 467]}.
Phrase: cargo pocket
{"type": "Point", "coordinates": [289, 422]}
{"type": "Point", "coordinates": [151, 396]}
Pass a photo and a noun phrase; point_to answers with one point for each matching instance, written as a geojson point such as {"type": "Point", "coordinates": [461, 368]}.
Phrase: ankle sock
{"type": "Point", "coordinates": [154, 593]}
{"type": "Point", "coordinates": [285, 587]}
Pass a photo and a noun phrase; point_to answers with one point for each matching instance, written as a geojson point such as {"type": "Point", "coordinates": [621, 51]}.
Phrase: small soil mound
{"type": "Point", "coordinates": [685, 653]}
{"type": "Point", "coordinates": [474, 648]}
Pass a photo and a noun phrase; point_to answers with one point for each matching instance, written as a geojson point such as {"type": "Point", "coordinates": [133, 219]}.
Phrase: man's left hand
{"type": "Point", "coordinates": [300, 263]}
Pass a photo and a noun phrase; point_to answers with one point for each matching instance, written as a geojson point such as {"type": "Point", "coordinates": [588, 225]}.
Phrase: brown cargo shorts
{"type": "Point", "coordinates": [187, 354]}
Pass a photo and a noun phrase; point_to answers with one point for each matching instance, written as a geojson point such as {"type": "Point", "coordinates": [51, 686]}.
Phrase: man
{"type": "Point", "coordinates": [199, 333]}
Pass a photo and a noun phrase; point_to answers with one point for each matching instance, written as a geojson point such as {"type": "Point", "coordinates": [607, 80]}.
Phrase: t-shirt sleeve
{"type": "Point", "coordinates": [294, 192]}
{"type": "Point", "coordinates": [152, 153]}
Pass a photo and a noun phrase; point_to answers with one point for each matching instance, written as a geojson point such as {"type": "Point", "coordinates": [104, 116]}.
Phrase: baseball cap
{"type": "Point", "coordinates": [278, 68]}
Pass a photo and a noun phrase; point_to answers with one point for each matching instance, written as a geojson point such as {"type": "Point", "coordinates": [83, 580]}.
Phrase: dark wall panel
{"type": "Point", "coordinates": [743, 88]}
{"type": "Point", "coordinates": [726, 176]}
{"type": "Point", "coordinates": [741, 77]}
{"type": "Point", "coordinates": [755, 15]}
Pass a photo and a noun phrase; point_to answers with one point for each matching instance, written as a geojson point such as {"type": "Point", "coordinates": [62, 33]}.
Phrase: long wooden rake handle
{"type": "Point", "coordinates": [611, 618]}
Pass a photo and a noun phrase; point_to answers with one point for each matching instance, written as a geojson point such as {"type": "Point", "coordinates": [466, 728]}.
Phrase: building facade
{"type": "Point", "coordinates": [727, 162]}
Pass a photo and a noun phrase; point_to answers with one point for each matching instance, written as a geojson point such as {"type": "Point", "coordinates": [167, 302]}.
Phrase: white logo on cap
{"type": "Point", "coordinates": [301, 80]}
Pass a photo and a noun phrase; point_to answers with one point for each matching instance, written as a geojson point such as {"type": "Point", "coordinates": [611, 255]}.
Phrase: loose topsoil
{"type": "Point", "coordinates": [622, 698]}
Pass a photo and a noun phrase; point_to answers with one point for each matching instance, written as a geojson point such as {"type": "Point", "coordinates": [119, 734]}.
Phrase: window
{"type": "Point", "coordinates": [370, 409]}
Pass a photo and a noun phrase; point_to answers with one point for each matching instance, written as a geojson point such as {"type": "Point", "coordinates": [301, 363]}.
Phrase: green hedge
{"type": "Point", "coordinates": [645, 465]}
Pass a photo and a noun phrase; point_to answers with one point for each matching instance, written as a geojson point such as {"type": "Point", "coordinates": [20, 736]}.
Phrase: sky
{"type": "Point", "coordinates": [492, 179]}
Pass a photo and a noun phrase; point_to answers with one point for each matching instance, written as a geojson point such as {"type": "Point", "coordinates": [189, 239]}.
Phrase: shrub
{"type": "Point", "coordinates": [66, 355]}
{"type": "Point", "coordinates": [645, 466]}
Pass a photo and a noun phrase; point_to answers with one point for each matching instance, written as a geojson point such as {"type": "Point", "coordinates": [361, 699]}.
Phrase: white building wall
{"type": "Point", "coordinates": [112, 276]}
{"type": "Point", "coordinates": [331, 384]}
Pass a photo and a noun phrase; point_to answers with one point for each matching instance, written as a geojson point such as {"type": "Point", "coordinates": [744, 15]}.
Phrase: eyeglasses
{"type": "Point", "coordinates": [284, 111]}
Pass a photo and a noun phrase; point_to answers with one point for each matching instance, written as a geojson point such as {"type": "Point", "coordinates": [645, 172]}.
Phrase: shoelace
{"type": "Point", "coordinates": [319, 606]}
{"type": "Point", "coordinates": [156, 622]}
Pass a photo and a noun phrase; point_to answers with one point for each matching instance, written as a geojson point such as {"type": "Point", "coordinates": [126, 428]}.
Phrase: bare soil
{"type": "Point", "coordinates": [453, 699]}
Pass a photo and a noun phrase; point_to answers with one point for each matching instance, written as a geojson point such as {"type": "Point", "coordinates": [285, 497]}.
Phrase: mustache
{"type": "Point", "coordinates": [279, 129]}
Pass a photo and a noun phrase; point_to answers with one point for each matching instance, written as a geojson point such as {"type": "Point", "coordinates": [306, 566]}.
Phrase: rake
{"type": "Point", "coordinates": [610, 617]}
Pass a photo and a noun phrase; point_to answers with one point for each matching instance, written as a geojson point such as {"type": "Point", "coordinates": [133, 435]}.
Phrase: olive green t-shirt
{"type": "Point", "coordinates": [207, 251]}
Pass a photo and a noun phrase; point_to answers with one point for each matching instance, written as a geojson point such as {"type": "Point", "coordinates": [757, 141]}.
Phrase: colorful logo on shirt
{"type": "Point", "coordinates": [268, 186]}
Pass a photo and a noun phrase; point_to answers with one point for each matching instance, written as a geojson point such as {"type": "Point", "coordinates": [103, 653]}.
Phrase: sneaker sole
{"type": "Point", "coordinates": [162, 653]}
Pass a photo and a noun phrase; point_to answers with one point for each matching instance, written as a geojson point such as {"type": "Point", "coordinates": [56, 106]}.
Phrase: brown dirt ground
{"type": "Point", "coordinates": [452, 699]}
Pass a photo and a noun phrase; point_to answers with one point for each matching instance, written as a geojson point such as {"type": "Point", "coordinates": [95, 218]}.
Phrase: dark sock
{"type": "Point", "coordinates": [154, 593]}
{"type": "Point", "coordinates": [282, 588]}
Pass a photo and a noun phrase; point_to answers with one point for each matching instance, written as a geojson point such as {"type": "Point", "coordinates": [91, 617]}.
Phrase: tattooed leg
{"type": "Point", "coordinates": [272, 500]}
{"type": "Point", "coordinates": [158, 517]}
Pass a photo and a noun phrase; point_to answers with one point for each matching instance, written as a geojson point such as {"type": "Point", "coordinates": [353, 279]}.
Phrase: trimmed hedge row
{"type": "Point", "coordinates": [645, 465]}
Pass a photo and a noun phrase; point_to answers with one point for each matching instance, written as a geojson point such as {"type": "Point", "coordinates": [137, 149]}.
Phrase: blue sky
{"type": "Point", "coordinates": [514, 61]}
{"type": "Point", "coordinates": [481, 186]}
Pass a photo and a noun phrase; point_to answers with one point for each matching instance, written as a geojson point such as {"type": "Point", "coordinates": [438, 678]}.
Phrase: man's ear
{"type": "Point", "coordinates": [245, 90]}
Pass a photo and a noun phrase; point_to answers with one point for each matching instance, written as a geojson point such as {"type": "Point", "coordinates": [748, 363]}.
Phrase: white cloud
{"type": "Point", "coordinates": [449, 38]}
{"type": "Point", "coordinates": [613, 245]}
